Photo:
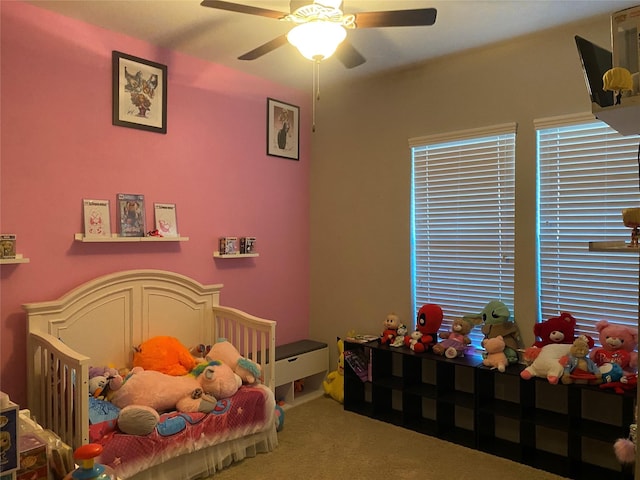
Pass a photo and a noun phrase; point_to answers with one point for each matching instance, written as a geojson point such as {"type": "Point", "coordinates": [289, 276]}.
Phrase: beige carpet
{"type": "Point", "coordinates": [322, 441]}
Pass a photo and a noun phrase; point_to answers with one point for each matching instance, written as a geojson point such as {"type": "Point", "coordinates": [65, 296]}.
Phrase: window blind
{"type": "Point", "coordinates": [587, 173]}
{"type": "Point", "coordinates": [463, 221]}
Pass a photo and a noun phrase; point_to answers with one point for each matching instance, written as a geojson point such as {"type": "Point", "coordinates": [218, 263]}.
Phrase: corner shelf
{"type": "Point", "coordinates": [79, 237]}
{"type": "Point", "coordinates": [11, 261]}
{"type": "Point", "coordinates": [616, 246]}
{"type": "Point", "coordinates": [234, 255]}
{"type": "Point", "coordinates": [624, 118]}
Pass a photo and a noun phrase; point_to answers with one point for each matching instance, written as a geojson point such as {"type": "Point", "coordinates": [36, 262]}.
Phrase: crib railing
{"type": "Point", "coordinates": [58, 388]}
{"type": "Point", "coordinates": [252, 336]}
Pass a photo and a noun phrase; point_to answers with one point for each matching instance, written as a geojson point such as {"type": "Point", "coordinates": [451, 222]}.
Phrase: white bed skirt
{"type": "Point", "coordinates": [206, 462]}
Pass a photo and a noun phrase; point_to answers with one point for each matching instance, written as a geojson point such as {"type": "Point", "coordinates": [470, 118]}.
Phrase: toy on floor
{"type": "Point", "coordinates": [224, 351]}
{"type": "Point", "coordinates": [88, 469]}
{"type": "Point", "coordinates": [578, 367]}
{"type": "Point", "coordinates": [279, 418]}
{"type": "Point", "coordinates": [456, 340]}
{"type": "Point", "coordinates": [496, 318]}
{"type": "Point", "coordinates": [428, 323]}
{"type": "Point", "coordinates": [144, 393]}
{"type": "Point", "coordinates": [494, 356]}
{"type": "Point", "coordinates": [618, 345]}
{"type": "Point", "coordinates": [164, 354]}
{"type": "Point", "coordinates": [625, 448]}
{"type": "Point", "coordinates": [334, 383]}
{"type": "Point", "coordinates": [391, 324]}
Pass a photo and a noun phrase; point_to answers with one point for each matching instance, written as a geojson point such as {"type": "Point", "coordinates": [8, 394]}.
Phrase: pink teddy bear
{"type": "Point", "coordinates": [619, 343]}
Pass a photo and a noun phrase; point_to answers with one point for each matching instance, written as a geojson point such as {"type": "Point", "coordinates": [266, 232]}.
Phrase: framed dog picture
{"type": "Point", "coordinates": [283, 129]}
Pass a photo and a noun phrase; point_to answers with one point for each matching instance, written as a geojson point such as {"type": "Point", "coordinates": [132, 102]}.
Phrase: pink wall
{"type": "Point", "coordinates": [58, 146]}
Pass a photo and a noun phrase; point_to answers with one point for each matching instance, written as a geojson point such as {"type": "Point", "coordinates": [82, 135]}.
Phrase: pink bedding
{"type": "Point", "coordinates": [249, 411]}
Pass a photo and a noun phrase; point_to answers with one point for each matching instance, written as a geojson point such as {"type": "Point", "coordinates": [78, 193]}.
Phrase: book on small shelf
{"type": "Point", "coordinates": [166, 219]}
{"type": "Point", "coordinates": [131, 215]}
{"type": "Point", "coordinates": [228, 245]}
{"type": "Point", "coordinates": [97, 218]}
{"type": "Point", "coordinates": [7, 245]}
{"type": "Point", "coordinates": [247, 245]}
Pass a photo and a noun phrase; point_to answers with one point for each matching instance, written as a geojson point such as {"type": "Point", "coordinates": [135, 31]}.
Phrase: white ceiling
{"type": "Point", "coordinates": [220, 36]}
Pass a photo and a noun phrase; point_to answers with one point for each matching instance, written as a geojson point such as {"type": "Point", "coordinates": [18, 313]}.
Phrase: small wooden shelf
{"type": "Point", "coordinates": [617, 246]}
{"type": "Point", "coordinates": [10, 261]}
{"type": "Point", "coordinates": [79, 237]}
{"type": "Point", "coordinates": [235, 255]}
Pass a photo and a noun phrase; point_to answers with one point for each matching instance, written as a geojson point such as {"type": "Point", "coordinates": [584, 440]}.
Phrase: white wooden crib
{"type": "Point", "coordinates": [99, 323]}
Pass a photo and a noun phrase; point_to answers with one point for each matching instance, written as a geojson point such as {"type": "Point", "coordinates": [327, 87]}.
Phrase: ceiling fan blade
{"type": "Point", "coordinates": [396, 18]}
{"type": "Point", "coordinates": [348, 55]}
{"type": "Point", "coordinates": [264, 48]}
{"type": "Point", "coordinates": [236, 7]}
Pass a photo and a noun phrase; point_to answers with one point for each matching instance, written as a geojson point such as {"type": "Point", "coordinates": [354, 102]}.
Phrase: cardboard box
{"type": "Point", "coordinates": [9, 422]}
{"type": "Point", "coordinates": [33, 458]}
{"type": "Point", "coordinates": [625, 25]}
{"type": "Point", "coordinates": [41, 473]}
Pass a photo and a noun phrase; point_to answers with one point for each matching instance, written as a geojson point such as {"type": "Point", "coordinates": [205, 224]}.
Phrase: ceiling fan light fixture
{"type": "Point", "coordinates": [317, 40]}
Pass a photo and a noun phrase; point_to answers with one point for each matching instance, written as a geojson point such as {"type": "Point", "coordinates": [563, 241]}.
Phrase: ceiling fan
{"type": "Point", "coordinates": [320, 27]}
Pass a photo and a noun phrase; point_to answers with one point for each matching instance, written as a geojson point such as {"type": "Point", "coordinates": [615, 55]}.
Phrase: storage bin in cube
{"type": "Point", "coordinates": [9, 446]}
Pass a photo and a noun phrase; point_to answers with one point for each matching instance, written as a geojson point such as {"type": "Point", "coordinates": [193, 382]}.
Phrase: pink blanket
{"type": "Point", "coordinates": [249, 411]}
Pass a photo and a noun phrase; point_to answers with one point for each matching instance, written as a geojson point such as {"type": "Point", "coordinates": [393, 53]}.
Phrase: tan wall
{"type": "Point", "coordinates": [361, 168]}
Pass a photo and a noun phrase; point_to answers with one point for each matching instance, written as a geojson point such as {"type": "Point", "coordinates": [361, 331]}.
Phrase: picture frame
{"type": "Point", "coordinates": [139, 93]}
{"type": "Point", "coordinates": [166, 219]}
{"type": "Point", "coordinates": [283, 129]}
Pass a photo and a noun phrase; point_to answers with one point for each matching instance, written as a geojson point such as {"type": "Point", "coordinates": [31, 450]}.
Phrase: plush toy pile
{"type": "Point", "coordinates": [167, 376]}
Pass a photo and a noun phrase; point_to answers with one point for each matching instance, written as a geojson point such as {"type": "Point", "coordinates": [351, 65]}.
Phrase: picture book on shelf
{"type": "Point", "coordinates": [97, 218]}
{"type": "Point", "coordinates": [247, 244]}
{"type": "Point", "coordinates": [7, 245]}
{"type": "Point", "coordinates": [131, 218]}
{"type": "Point", "coordinates": [166, 219]}
{"type": "Point", "coordinates": [228, 245]}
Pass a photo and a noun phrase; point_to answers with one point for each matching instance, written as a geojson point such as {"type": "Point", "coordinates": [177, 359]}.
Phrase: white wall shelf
{"type": "Point", "coordinates": [234, 255]}
{"type": "Point", "coordinates": [615, 246]}
{"type": "Point", "coordinates": [624, 118]}
{"type": "Point", "coordinates": [10, 261]}
{"type": "Point", "coordinates": [79, 237]}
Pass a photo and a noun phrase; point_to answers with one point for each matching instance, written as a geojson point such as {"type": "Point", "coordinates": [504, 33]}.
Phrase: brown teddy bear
{"type": "Point", "coordinates": [456, 340]}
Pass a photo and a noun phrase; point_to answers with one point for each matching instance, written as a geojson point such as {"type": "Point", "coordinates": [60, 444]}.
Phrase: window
{"type": "Point", "coordinates": [587, 174]}
{"type": "Point", "coordinates": [463, 221]}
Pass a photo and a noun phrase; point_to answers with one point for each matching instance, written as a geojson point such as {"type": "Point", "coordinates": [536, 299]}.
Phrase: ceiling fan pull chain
{"type": "Point", "coordinates": [316, 90]}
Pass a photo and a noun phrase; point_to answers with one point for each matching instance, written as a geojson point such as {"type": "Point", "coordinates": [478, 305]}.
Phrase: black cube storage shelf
{"type": "Point", "coordinates": [568, 430]}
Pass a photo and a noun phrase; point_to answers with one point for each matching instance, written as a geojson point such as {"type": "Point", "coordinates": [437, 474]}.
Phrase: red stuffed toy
{"type": "Point", "coordinates": [559, 329]}
{"type": "Point", "coordinates": [618, 346]}
{"type": "Point", "coordinates": [428, 323]}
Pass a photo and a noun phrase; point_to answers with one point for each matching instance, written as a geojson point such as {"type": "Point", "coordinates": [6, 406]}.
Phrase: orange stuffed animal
{"type": "Point", "coordinates": [164, 354]}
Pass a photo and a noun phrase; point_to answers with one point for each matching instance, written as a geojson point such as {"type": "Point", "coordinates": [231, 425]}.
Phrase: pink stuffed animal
{"type": "Point", "coordinates": [146, 392]}
{"type": "Point", "coordinates": [248, 370]}
{"type": "Point", "coordinates": [618, 346]}
{"type": "Point", "coordinates": [495, 356]}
